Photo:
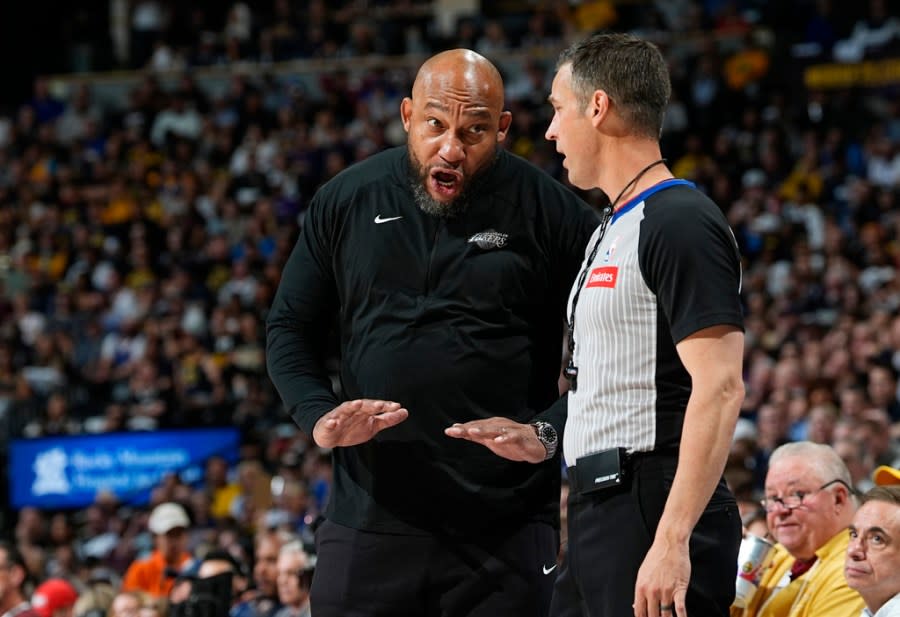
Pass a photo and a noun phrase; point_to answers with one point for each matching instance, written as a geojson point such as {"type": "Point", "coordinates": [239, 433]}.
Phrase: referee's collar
{"type": "Point", "coordinates": [659, 186]}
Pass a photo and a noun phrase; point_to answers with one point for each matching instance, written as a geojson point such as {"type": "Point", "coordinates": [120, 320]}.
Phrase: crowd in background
{"type": "Point", "coordinates": [140, 244]}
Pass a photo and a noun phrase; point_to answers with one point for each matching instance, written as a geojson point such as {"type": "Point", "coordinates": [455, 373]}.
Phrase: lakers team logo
{"type": "Point", "coordinates": [489, 239]}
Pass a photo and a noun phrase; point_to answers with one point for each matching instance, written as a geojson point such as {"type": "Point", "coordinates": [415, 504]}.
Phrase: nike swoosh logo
{"type": "Point", "coordinates": [550, 569]}
{"type": "Point", "coordinates": [379, 220]}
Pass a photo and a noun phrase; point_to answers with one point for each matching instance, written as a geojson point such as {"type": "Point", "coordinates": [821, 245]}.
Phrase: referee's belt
{"type": "Point", "coordinates": [609, 469]}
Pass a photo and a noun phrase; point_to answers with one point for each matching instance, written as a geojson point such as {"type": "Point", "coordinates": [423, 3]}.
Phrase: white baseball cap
{"type": "Point", "coordinates": [166, 517]}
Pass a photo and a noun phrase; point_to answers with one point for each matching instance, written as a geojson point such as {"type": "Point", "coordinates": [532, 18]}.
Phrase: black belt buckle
{"type": "Point", "coordinates": [601, 470]}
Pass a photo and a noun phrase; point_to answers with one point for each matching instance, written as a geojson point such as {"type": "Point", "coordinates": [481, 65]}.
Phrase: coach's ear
{"type": "Point", "coordinates": [406, 112]}
{"type": "Point", "coordinates": [505, 122]}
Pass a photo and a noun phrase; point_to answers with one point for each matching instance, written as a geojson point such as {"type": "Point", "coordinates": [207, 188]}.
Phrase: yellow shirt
{"type": "Point", "coordinates": [820, 592]}
{"type": "Point", "coordinates": [222, 499]}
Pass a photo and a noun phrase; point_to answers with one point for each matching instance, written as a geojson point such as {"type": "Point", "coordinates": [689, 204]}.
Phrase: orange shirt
{"type": "Point", "coordinates": [150, 575]}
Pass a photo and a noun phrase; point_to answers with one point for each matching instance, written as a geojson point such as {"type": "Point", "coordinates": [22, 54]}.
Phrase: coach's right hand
{"type": "Point", "coordinates": [355, 422]}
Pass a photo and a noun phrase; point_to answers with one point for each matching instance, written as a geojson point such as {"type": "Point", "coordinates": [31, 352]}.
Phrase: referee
{"type": "Point", "coordinates": [656, 342]}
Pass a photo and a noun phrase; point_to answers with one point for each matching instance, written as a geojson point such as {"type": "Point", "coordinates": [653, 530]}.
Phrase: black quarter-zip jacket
{"type": "Point", "coordinates": [455, 318]}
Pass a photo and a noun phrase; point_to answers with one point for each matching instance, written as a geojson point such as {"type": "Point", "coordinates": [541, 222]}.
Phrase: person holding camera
{"type": "Point", "coordinates": [216, 589]}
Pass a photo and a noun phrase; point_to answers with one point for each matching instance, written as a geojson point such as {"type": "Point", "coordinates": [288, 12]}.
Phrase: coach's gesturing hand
{"type": "Point", "coordinates": [504, 437]}
{"type": "Point", "coordinates": [355, 422]}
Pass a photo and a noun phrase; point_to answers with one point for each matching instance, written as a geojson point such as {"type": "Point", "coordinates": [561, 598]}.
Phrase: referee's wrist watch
{"type": "Point", "coordinates": [546, 434]}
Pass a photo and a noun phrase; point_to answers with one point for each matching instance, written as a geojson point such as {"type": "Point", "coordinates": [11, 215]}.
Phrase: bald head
{"type": "Point", "coordinates": [455, 121]}
{"type": "Point", "coordinates": [463, 72]}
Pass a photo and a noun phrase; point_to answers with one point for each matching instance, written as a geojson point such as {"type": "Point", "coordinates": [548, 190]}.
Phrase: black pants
{"type": "Point", "coordinates": [362, 574]}
{"type": "Point", "coordinates": [611, 531]}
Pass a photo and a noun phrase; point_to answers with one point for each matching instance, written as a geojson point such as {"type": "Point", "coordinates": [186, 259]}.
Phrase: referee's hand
{"type": "Point", "coordinates": [503, 437]}
{"type": "Point", "coordinates": [355, 422]}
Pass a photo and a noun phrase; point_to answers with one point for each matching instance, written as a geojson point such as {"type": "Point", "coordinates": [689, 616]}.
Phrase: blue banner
{"type": "Point", "coordinates": [68, 472]}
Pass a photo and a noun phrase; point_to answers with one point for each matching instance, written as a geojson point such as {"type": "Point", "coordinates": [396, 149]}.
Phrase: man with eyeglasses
{"type": "Point", "coordinates": [809, 505]}
{"type": "Point", "coordinates": [872, 566]}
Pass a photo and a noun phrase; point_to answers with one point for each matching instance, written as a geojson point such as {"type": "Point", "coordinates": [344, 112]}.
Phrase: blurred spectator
{"type": "Point", "coordinates": [31, 527]}
{"type": "Point", "coordinates": [13, 578]}
{"type": "Point", "coordinates": [221, 490]}
{"type": "Point", "coordinates": [156, 574]}
{"type": "Point", "coordinates": [755, 523]}
{"type": "Point", "coordinates": [873, 556]}
{"type": "Point", "coordinates": [295, 572]}
{"type": "Point", "coordinates": [747, 66]}
{"type": "Point", "coordinates": [55, 597]}
{"type": "Point", "coordinates": [255, 493]}
{"type": "Point", "coordinates": [882, 390]}
{"type": "Point", "coordinates": [95, 600]}
{"type": "Point", "coordinates": [291, 511]}
{"type": "Point", "coordinates": [46, 107]}
{"type": "Point", "coordinates": [820, 423]}
{"type": "Point", "coordinates": [178, 119]}
{"type": "Point", "coordinates": [81, 112]}
{"type": "Point", "coordinates": [99, 534]}
{"type": "Point", "coordinates": [56, 419]}
{"type": "Point", "coordinates": [199, 386]}
{"type": "Point", "coordinates": [136, 604]}
{"type": "Point", "coordinates": [493, 40]}
{"type": "Point", "coordinates": [874, 35]}
{"type": "Point", "coordinates": [874, 429]}
{"type": "Point", "coordinates": [772, 426]}
{"type": "Point", "coordinates": [148, 397]}
{"type": "Point", "coordinates": [858, 460]}
{"type": "Point", "coordinates": [267, 544]}
{"type": "Point", "coordinates": [241, 284]}
{"type": "Point", "coordinates": [148, 21]}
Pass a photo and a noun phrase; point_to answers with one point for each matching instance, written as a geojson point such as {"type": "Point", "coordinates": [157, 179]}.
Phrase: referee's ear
{"type": "Point", "coordinates": [599, 107]}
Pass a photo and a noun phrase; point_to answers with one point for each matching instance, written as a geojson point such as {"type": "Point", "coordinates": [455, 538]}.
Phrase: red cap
{"type": "Point", "coordinates": [52, 594]}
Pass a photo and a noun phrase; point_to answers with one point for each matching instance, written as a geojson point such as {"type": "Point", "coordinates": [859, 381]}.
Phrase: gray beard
{"type": "Point", "coordinates": [418, 176]}
{"type": "Point", "coordinates": [430, 205]}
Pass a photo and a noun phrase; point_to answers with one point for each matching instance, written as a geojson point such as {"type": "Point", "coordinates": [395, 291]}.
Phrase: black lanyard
{"type": "Point", "coordinates": [571, 371]}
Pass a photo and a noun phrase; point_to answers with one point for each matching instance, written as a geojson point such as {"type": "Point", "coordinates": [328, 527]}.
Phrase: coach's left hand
{"type": "Point", "coordinates": [503, 437]}
{"type": "Point", "coordinates": [662, 581]}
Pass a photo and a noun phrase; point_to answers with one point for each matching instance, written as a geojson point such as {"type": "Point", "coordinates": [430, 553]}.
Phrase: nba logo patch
{"type": "Point", "coordinates": [603, 277]}
{"type": "Point", "coordinates": [611, 250]}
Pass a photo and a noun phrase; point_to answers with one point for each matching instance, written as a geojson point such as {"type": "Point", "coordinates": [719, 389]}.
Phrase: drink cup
{"type": "Point", "coordinates": [753, 559]}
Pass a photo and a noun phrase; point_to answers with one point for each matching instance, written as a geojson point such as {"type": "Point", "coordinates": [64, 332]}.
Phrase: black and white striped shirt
{"type": "Point", "coordinates": [668, 266]}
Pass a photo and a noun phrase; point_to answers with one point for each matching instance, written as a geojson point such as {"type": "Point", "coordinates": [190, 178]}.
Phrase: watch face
{"type": "Point", "coordinates": [546, 433]}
